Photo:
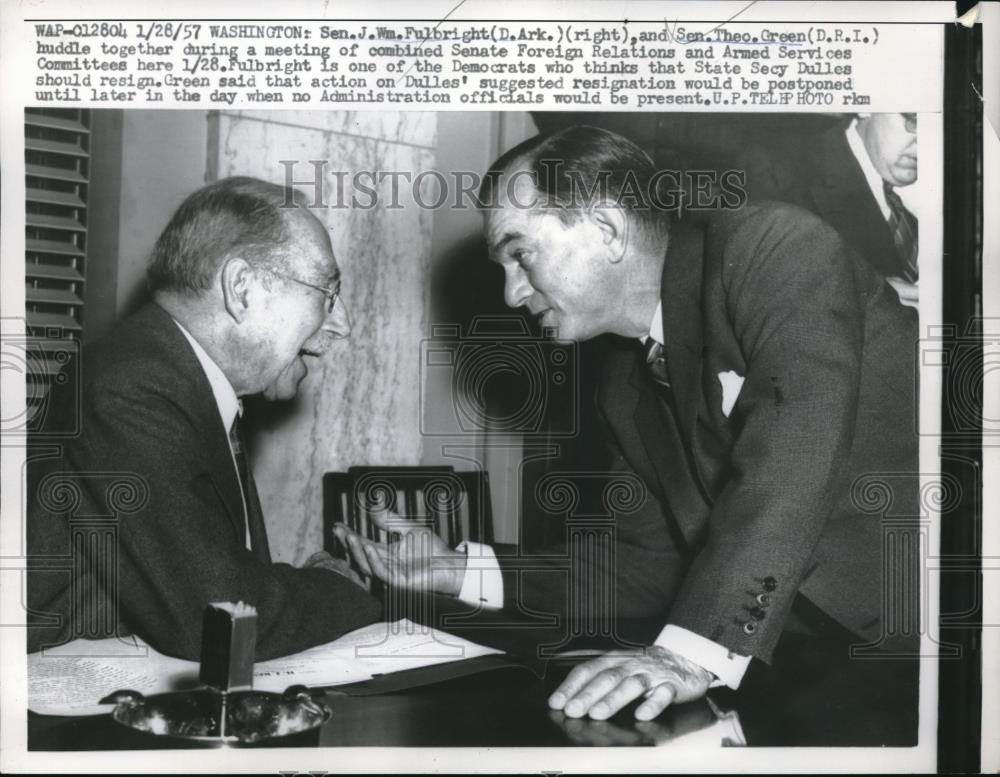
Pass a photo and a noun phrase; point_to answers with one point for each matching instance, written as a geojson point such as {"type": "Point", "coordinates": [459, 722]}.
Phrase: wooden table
{"type": "Point", "coordinates": [813, 696]}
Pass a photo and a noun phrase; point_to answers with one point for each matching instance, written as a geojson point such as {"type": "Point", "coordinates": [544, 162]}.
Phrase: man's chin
{"type": "Point", "coordinates": [279, 392]}
{"type": "Point", "coordinates": [554, 330]}
{"type": "Point", "coordinates": [565, 335]}
{"type": "Point", "coordinates": [286, 385]}
{"type": "Point", "coordinates": [905, 174]}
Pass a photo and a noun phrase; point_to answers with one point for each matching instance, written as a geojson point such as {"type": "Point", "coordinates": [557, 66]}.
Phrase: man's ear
{"type": "Point", "coordinates": [613, 224]}
{"type": "Point", "coordinates": [236, 281]}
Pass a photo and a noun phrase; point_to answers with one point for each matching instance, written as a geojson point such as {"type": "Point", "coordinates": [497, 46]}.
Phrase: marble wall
{"type": "Point", "coordinates": [361, 404]}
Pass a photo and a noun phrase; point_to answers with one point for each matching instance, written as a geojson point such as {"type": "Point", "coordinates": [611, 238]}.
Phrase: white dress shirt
{"type": "Point", "coordinates": [225, 400]}
{"type": "Point", "coordinates": [483, 586]}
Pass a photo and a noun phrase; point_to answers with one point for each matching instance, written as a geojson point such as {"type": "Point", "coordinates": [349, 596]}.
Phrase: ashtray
{"type": "Point", "coordinates": [210, 718]}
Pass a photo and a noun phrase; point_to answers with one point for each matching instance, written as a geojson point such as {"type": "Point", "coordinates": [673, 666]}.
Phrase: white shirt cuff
{"type": "Point", "coordinates": [728, 667]}
{"type": "Point", "coordinates": [483, 583]}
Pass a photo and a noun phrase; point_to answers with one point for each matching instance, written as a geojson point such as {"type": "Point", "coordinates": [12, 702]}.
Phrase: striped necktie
{"type": "Point", "coordinates": [903, 226]}
{"type": "Point", "coordinates": [656, 361]}
{"type": "Point", "coordinates": [254, 514]}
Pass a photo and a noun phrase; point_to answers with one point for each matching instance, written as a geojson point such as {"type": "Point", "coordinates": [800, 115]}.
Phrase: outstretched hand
{"type": "Point", "coordinates": [414, 558]}
{"type": "Point", "coordinates": [323, 560]}
{"type": "Point", "coordinates": [604, 685]}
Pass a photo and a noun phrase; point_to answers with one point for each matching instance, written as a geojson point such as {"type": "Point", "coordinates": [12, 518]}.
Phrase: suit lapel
{"type": "Point", "coordinates": [635, 403]}
{"type": "Point", "coordinates": [682, 321]}
{"type": "Point", "coordinates": [194, 393]}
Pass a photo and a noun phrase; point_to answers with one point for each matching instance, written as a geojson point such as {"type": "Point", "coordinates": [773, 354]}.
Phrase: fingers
{"type": "Point", "coordinates": [661, 697]}
{"type": "Point", "coordinates": [575, 681]}
{"type": "Point", "coordinates": [632, 687]}
{"type": "Point", "coordinates": [586, 686]}
{"type": "Point", "coordinates": [354, 544]}
{"type": "Point", "coordinates": [388, 521]}
{"type": "Point", "coordinates": [343, 533]}
{"type": "Point", "coordinates": [602, 687]}
{"type": "Point", "coordinates": [376, 562]}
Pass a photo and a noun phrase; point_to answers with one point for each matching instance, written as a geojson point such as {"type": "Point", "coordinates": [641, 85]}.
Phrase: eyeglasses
{"type": "Point", "coordinates": [909, 122]}
{"type": "Point", "coordinates": [331, 294]}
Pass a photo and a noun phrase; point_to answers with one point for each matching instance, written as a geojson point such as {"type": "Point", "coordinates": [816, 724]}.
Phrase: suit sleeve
{"type": "Point", "coordinates": [635, 568]}
{"type": "Point", "coordinates": [174, 548]}
{"type": "Point", "coordinates": [796, 309]}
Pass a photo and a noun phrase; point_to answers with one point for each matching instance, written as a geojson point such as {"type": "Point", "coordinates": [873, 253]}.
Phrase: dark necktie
{"type": "Point", "coordinates": [903, 226]}
{"type": "Point", "coordinates": [255, 516]}
{"type": "Point", "coordinates": [656, 361]}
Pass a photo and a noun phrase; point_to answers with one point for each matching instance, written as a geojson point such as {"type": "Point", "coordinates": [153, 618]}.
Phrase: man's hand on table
{"type": "Point", "coordinates": [417, 560]}
{"type": "Point", "coordinates": [604, 685]}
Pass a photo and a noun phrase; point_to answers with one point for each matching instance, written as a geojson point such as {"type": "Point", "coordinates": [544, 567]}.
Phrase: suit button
{"type": "Point", "coordinates": [757, 613]}
{"type": "Point", "coordinates": [749, 627]}
{"type": "Point", "coordinates": [770, 584]}
{"type": "Point", "coordinates": [763, 599]}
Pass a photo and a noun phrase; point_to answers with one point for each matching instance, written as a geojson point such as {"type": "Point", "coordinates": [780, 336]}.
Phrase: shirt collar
{"type": "Point", "coordinates": [656, 325]}
{"type": "Point", "coordinates": [872, 176]}
{"type": "Point", "coordinates": [225, 397]}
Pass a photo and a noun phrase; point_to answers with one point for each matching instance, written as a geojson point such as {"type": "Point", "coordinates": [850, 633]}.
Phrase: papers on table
{"type": "Point", "coordinates": [71, 679]}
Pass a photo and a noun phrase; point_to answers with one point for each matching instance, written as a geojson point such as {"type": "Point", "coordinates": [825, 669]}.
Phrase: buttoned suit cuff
{"type": "Point", "coordinates": [482, 585]}
{"type": "Point", "coordinates": [728, 667]}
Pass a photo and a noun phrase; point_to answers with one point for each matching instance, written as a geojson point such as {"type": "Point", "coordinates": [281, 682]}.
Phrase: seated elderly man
{"type": "Point", "coordinates": [245, 291]}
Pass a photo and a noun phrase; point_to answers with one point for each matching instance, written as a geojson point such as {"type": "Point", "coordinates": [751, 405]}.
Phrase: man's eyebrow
{"type": "Point", "coordinates": [507, 237]}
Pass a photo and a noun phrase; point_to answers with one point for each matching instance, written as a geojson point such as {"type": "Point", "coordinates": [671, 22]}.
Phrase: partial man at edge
{"type": "Point", "coordinates": [860, 176]}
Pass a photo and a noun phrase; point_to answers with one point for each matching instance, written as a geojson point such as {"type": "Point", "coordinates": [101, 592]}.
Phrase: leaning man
{"type": "Point", "coordinates": [762, 388]}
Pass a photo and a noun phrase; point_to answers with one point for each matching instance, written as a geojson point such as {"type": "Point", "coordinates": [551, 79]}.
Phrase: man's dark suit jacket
{"type": "Point", "coordinates": [137, 523]}
{"type": "Point", "coordinates": [787, 493]}
{"type": "Point", "coordinates": [820, 173]}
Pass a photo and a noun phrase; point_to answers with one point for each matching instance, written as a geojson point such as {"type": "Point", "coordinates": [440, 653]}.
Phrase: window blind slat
{"type": "Point", "coordinates": [54, 173]}
{"type": "Point", "coordinates": [57, 170]}
{"type": "Point", "coordinates": [34, 246]}
{"type": "Point", "coordinates": [54, 197]}
{"type": "Point", "coordinates": [52, 272]}
{"type": "Point", "coordinates": [54, 147]}
{"type": "Point", "coordinates": [38, 320]}
{"type": "Point", "coordinates": [55, 122]}
{"type": "Point", "coordinates": [47, 221]}
{"type": "Point", "coordinates": [51, 296]}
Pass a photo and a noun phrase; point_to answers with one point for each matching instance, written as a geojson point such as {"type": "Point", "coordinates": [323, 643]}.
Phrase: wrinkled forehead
{"type": "Point", "coordinates": [513, 206]}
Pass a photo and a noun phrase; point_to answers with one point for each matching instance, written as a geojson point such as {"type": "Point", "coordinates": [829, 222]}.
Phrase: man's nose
{"type": "Point", "coordinates": [336, 326]}
{"type": "Point", "coordinates": [516, 289]}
